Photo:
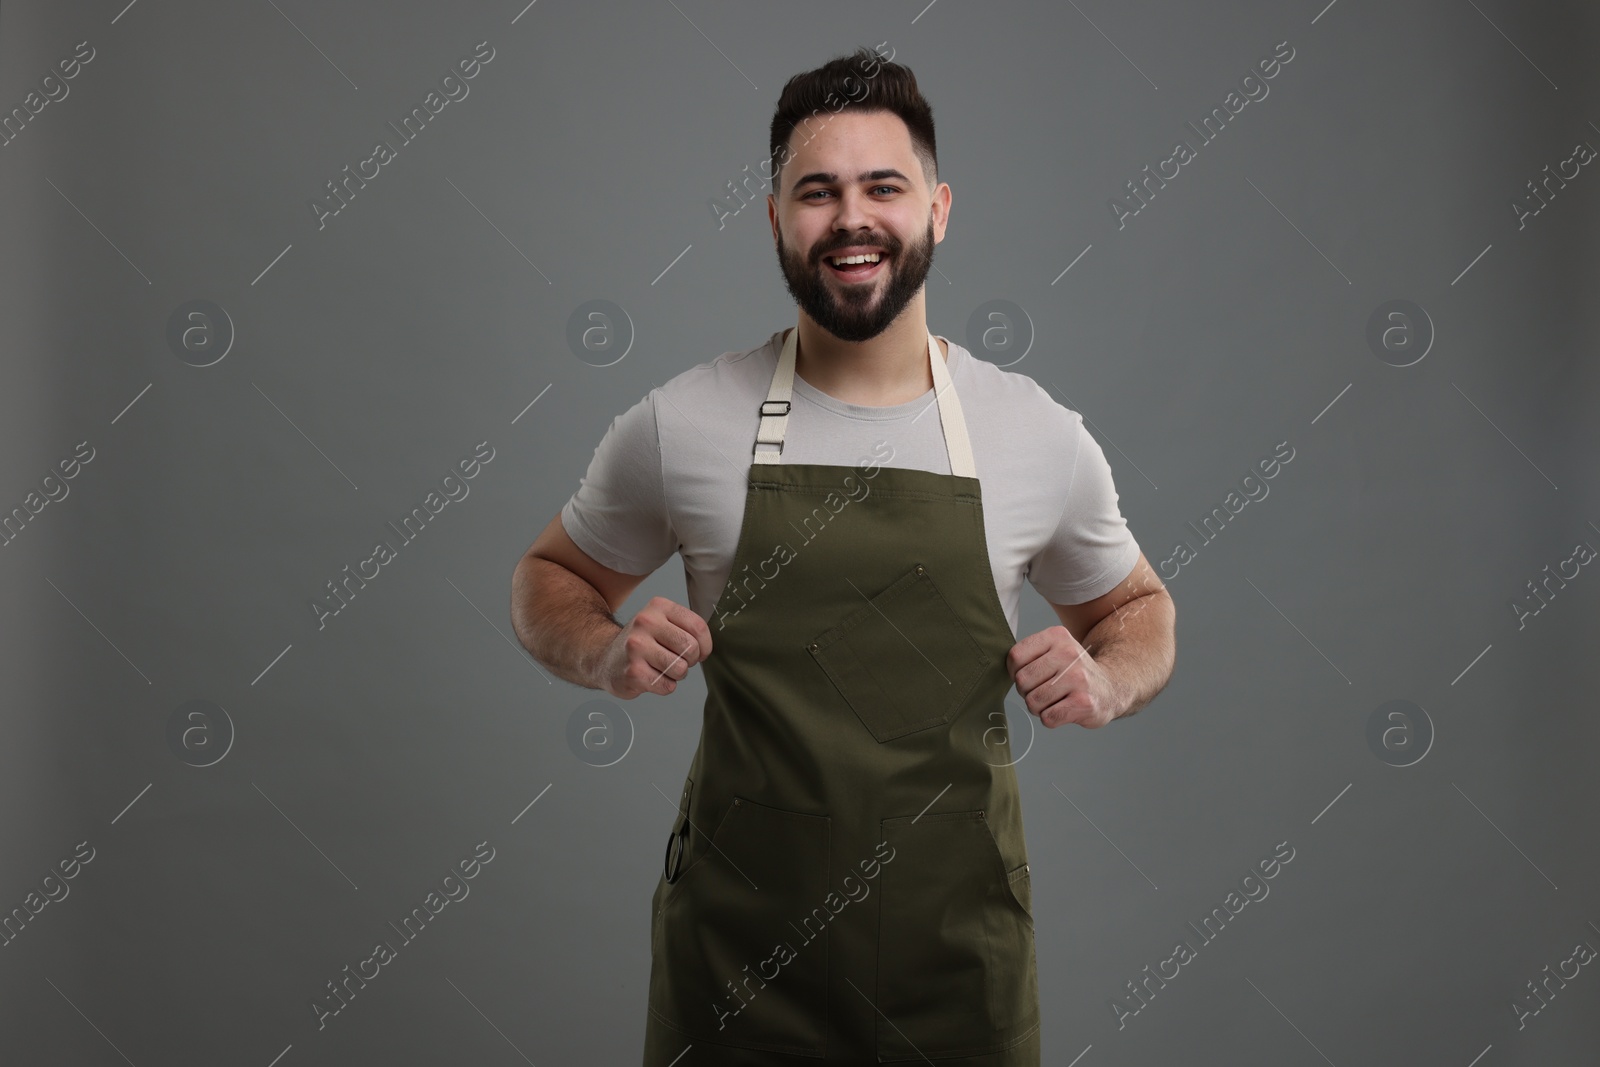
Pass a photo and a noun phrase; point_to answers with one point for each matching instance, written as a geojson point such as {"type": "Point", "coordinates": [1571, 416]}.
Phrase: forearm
{"type": "Point", "coordinates": [1136, 647]}
{"type": "Point", "coordinates": [561, 620]}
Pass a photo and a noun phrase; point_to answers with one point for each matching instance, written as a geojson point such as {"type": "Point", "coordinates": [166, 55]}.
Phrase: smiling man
{"type": "Point", "coordinates": [858, 502]}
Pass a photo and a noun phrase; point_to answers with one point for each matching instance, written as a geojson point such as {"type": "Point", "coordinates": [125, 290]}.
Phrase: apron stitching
{"type": "Point", "coordinates": [957, 497]}
{"type": "Point", "coordinates": [990, 588]}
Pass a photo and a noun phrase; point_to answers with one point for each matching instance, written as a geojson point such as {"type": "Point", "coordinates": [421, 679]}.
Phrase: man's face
{"type": "Point", "coordinates": [871, 195]}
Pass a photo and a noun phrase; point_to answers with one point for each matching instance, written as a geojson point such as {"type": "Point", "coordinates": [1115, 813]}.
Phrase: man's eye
{"type": "Point", "coordinates": [876, 189]}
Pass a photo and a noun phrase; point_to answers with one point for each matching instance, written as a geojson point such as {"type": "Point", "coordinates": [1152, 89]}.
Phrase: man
{"type": "Point", "coordinates": [846, 881]}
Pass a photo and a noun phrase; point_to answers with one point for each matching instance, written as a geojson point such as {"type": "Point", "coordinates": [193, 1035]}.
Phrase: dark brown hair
{"type": "Point", "coordinates": [863, 81]}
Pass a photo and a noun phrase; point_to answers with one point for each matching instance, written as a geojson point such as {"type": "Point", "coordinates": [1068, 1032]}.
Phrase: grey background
{"type": "Point", "coordinates": [372, 754]}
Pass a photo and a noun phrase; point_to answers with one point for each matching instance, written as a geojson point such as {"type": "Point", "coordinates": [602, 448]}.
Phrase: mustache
{"type": "Point", "coordinates": [889, 245]}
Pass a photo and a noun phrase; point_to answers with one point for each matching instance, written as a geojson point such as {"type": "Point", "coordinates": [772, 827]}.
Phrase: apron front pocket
{"type": "Point", "coordinates": [904, 661]}
{"type": "Point", "coordinates": [956, 968]}
{"type": "Point", "coordinates": [741, 960]}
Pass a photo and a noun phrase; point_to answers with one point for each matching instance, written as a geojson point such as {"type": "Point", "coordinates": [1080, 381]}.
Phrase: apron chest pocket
{"type": "Point", "coordinates": [903, 661]}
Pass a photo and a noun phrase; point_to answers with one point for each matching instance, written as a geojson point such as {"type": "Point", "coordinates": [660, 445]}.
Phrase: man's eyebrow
{"type": "Point", "coordinates": [829, 178]}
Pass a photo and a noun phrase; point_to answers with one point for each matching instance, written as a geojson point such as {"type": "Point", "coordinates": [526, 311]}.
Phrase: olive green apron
{"type": "Point", "coordinates": [846, 881]}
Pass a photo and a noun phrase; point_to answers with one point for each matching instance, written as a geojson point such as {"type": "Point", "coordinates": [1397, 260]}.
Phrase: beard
{"type": "Point", "coordinates": [858, 313]}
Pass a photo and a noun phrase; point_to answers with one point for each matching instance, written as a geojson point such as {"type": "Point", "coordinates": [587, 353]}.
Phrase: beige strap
{"type": "Point", "coordinates": [775, 409]}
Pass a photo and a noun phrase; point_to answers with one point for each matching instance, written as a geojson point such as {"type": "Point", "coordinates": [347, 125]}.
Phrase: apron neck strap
{"type": "Point", "coordinates": [775, 409]}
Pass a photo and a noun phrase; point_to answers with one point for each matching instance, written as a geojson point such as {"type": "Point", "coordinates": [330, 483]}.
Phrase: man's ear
{"type": "Point", "coordinates": [940, 208]}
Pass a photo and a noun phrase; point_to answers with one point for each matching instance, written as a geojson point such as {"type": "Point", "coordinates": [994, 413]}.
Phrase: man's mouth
{"type": "Point", "coordinates": [859, 267]}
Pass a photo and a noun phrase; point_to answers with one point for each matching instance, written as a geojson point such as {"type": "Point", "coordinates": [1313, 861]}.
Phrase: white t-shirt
{"type": "Point", "coordinates": [671, 472]}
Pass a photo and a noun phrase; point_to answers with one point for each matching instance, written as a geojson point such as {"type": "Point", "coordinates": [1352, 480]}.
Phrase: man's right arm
{"type": "Point", "coordinates": [562, 605]}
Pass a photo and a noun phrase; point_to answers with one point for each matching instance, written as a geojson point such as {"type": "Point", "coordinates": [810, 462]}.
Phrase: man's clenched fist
{"type": "Point", "coordinates": [654, 650]}
{"type": "Point", "coordinates": [1060, 682]}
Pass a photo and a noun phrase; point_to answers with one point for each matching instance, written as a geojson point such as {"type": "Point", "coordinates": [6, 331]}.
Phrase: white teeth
{"type": "Point", "coordinates": [870, 257]}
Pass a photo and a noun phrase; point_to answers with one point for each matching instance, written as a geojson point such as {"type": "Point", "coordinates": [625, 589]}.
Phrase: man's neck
{"type": "Point", "coordinates": [891, 368]}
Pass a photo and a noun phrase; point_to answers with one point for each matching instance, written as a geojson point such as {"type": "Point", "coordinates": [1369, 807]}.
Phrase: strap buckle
{"type": "Point", "coordinates": [774, 414]}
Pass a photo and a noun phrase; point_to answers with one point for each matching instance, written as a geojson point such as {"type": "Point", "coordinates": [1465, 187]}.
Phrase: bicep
{"type": "Point", "coordinates": [556, 546]}
{"type": "Point", "coordinates": [1079, 619]}
{"type": "Point", "coordinates": [1090, 553]}
{"type": "Point", "coordinates": [615, 531]}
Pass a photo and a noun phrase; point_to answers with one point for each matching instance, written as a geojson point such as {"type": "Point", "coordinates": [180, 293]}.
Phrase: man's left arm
{"type": "Point", "coordinates": [1109, 657]}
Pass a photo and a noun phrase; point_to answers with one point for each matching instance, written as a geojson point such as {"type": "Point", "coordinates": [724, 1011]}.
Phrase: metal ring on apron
{"type": "Point", "coordinates": [674, 861]}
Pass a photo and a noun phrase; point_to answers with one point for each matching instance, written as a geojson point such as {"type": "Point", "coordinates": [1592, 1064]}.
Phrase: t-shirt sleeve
{"type": "Point", "coordinates": [619, 513]}
{"type": "Point", "coordinates": [1092, 550]}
